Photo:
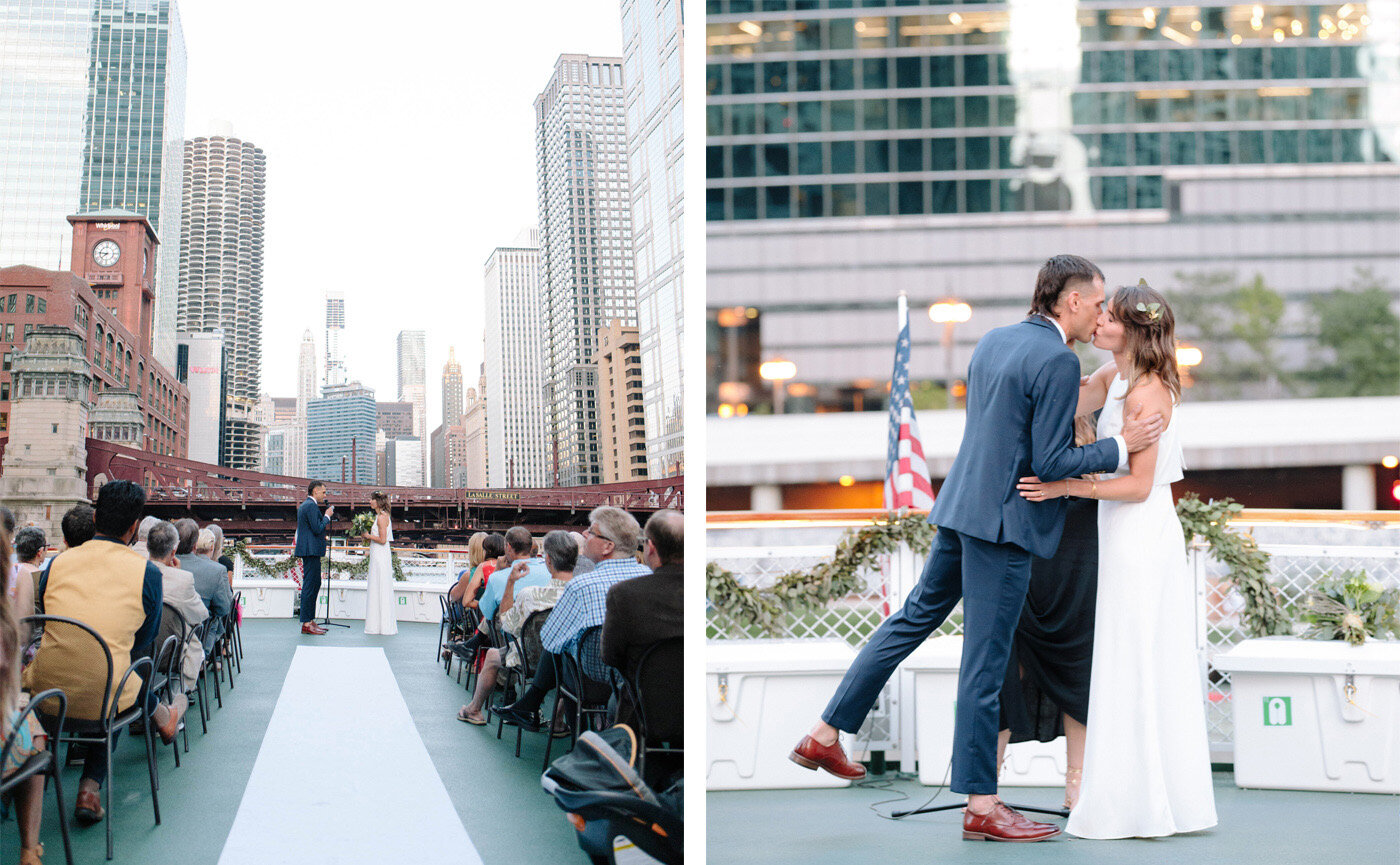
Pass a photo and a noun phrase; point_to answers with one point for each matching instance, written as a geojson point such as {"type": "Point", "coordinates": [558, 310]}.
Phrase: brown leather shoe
{"type": "Point", "coordinates": [173, 715]}
{"type": "Point", "coordinates": [812, 754]}
{"type": "Point", "coordinates": [312, 628]}
{"type": "Point", "coordinates": [1005, 824]}
{"type": "Point", "coordinates": [88, 807]}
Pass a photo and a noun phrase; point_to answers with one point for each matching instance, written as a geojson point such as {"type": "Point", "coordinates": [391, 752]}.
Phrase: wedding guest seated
{"type": "Point", "coordinates": [585, 564]}
{"type": "Point", "coordinates": [476, 554]}
{"type": "Point", "coordinates": [79, 525]}
{"type": "Point", "coordinates": [142, 532]}
{"type": "Point", "coordinates": [210, 578]}
{"type": "Point", "coordinates": [494, 549]}
{"type": "Point", "coordinates": [611, 541]}
{"type": "Point", "coordinates": [648, 609]}
{"type": "Point", "coordinates": [517, 605]}
{"type": "Point", "coordinates": [217, 552]}
{"type": "Point", "coordinates": [28, 797]}
{"type": "Point", "coordinates": [519, 545]}
{"type": "Point", "coordinates": [180, 593]}
{"type": "Point", "coordinates": [31, 547]}
{"type": "Point", "coordinates": [107, 586]}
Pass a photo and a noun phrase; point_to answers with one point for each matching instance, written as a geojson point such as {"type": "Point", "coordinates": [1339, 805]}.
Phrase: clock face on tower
{"type": "Point", "coordinates": [106, 253]}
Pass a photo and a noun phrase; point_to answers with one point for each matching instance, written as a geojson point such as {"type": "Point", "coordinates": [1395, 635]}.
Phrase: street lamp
{"type": "Point", "coordinates": [778, 371]}
{"type": "Point", "coordinates": [949, 312]}
{"type": "Point", "coordinates": [1187, 356]}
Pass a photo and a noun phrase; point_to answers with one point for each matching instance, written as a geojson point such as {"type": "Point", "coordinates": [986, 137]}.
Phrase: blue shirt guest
{"type": "Point", "coordinates": [611, 542]}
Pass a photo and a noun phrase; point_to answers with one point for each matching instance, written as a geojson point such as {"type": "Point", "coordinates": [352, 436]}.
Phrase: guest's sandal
{"type": "Point", "coordinates": [463, 716]}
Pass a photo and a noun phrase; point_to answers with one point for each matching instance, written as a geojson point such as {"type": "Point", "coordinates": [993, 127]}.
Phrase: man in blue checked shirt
{"type": "Point", "coordinates": [611, 542]}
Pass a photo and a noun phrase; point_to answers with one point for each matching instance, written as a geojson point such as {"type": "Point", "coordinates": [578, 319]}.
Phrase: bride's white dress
{"type": "Point", "coordinates": [1147, 756]}
{"type": "Point", "coordinates": [380, 616]}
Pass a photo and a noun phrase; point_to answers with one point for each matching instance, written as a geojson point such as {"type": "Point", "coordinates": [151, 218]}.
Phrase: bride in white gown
{"type": "Point", "coordinates": [380, 616]}
{"type": "Point", "coordinates": [1147, 756]}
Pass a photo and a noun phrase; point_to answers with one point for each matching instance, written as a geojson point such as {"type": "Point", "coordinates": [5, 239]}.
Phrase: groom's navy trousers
{"type": "Point", "coordinates": [991, 580]}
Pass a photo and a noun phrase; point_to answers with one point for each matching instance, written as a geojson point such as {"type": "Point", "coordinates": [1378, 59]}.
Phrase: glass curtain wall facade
{"type": "Point", "coordinates": [587, 277]}
{"type": "Point", "coordinates": [413, 388]}
{"type": "Point", "coordinates": [340, 424]}
{"type": "Point", "coordinates": [860, 148]}
{"type": "Point", "coordinates": [651, 33]}
{"type": "Point", "coordinates": [92, 108]}
{"type": "Point", "coordinates": [517, 423]}
{"type": "Point", "coordinates": [220, 275]}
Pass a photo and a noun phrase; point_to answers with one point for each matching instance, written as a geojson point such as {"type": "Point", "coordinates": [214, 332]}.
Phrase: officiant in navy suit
{"type": "Point", "coordinates": [310, 547]}
{"type": "Point", "coordinates": [1022, 392]}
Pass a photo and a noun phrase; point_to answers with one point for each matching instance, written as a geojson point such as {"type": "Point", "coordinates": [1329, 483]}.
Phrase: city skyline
{"type": "Point", "coordinates": [325, 92]}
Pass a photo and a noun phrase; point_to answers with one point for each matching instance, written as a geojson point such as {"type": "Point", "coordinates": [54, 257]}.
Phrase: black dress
{"type": "Point", "coordinates": [1048, 670]}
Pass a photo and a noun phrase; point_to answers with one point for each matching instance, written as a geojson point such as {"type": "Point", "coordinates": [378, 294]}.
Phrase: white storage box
{"type": "Point", "coordinates": [934, 670]}
{"type": "Point", "coordinates": [762, 697]}
{"type": "Point", "coordinates": [1316, 714]}
{"type": "Point", "coordinates": [267, 598]}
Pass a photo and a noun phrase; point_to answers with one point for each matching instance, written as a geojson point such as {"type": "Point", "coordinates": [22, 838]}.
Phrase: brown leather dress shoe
{"type": "Point", "coordinates": [88, 807]}
{"type": "Point", "coordinates": [1005, 824]}
{"type": "Point", "coordinates": [812, 754]}
{"type": "Point", "coordinates": [312, 628]}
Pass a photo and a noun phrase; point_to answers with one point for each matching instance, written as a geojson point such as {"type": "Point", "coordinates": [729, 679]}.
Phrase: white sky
{"type": "Point", "coordinates": [400, 152]}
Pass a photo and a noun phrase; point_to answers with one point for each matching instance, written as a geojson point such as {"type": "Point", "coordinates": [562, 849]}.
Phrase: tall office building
{"type": "Point", "coordinates": [514, 368]}
{"type": "Point", "coordinates": [413, 388]}
{"type": "Point", "coordinates": [403, 462]}
{"type": "Point", "coordinates": [585, 234]}
{"type": "Point", "coordinates": [474, 472]}
{"type": "Point", "coordinates": [92, 117]}
{"type": "Point", "coordinates": [306, 391]}
{"type": "Point", "coordinates": [853, 154]}
{"type": "Point", "coordinates": [220, 278]}
{"type": "Point", "coordinates": [202, 364]}
{"type": "Point", "coordinates": [622, 439]}
{"type": "Point", "coordinates": [451, 388]}
{"type": "Point", "coordinates": [335, 331]}
{"type": "Point", "coordinates": [341, 436]}
{"type": "Point", "coordinates": [651, 71]}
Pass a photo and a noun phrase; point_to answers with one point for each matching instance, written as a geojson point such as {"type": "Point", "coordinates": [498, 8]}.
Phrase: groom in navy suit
{"type": "Point", "coordinates": [1022, 390]}
{"type": "Point", "coordinates": [310, 547]}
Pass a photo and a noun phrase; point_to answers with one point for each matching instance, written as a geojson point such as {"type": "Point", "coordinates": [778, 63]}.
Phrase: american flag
{"type": "Point", "coordinates": [906, 474]}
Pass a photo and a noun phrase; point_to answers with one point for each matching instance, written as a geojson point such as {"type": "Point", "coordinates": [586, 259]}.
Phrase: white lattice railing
{"type": "Point", "coordinates": [757, 552]}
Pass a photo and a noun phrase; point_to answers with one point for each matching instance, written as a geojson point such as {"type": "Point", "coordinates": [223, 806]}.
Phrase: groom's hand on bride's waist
{"type": "Point", "coordinates": [1142, 431]}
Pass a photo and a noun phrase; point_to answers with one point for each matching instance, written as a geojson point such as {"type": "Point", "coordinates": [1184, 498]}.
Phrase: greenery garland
{"type": "Point", "coordinates": [1263, 613]}
{"type": "Point", "coordinates": [277, 568]}
{"type": "Point", "coordinates": [860, 549]}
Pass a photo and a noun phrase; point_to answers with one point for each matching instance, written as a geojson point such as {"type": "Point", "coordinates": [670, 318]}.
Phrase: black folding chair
{"type": "Point", "coordinates": [165, 675]}
{"type": "Point", "coordinates": [238, 628]}
{"type": "Point", "coordinates": [589, 696]}
{"type": "Point", "coordinates": [530, 647]}
{"type": "Point", "coordinates": [654, 691]}
{"type": "Point", "coordinates": [112, 719]}
{"type": "Point", "coordinates": [45, 762]}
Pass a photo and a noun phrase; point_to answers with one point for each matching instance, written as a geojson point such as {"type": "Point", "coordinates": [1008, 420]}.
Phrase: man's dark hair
{"type": "Point", "coordinates": [1055, 275]}
{"type": "Point", "coordinates": [7, 520]}
{"type": "Point", "coordinates": [519, 540]}
{"type": "Point", "coordinates": [189, 533]}
{"type": "Point", "coordinates": [79, 525]}
{"type": "Point", "coordinates": [494, 546]}
{"type": "Point", "coordinates": [119, 506]}
{"type": "Point", "coordinates": [162, 540]}
{"type": "Point", "coordinates": [29, 542]}
{"type": "Point", "coordinates": [666, 531]}
{"type": "Point", "coordinates": [561, 549]}
{"type": "Point", "coordinates": [311, 487]}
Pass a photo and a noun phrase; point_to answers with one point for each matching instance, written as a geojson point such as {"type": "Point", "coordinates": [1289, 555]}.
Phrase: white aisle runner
{"type": "Point", "coordinates": [342, 776]}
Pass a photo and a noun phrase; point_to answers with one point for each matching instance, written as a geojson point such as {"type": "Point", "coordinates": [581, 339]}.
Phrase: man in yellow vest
{"type": "Point", "coordinates": [117, 592]}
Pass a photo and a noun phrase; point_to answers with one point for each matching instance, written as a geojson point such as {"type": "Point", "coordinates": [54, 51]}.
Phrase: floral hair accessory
{"type": "Point", "coordinates": [1153, 310]}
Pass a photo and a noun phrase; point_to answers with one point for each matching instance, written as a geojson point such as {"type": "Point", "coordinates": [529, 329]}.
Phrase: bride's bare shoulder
{"type": "Point", "coordinates": [1150, 392]}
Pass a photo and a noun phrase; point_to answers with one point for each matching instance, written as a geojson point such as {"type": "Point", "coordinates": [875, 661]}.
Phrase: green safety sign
{"type": "Point", "coordinates": [1278, 711]}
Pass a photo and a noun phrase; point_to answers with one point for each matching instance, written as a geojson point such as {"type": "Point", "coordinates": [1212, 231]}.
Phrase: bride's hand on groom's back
{"type": "Point", "coordinates": [1142, 430]}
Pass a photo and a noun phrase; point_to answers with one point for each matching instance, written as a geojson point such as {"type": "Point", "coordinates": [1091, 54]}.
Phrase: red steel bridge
{"type": "Point", "coordinates": [262, 507]}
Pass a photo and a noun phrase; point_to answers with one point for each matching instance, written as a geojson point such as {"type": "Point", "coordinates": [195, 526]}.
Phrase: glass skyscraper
{"type": "Point", "coordinates": [651, 32]}
{"type": "Point", "coordinates": [586, 270]}
{"type": "Point", "coordinates": [413, 388]}
{"type": "Point", "coordinates": [92, 103]}
{"type": "Point", "coordinates": [340, 435]}
{"type": "Point", "coordinates": [857, 150]}
{"type": "Point", "coordinates": [517, 428]}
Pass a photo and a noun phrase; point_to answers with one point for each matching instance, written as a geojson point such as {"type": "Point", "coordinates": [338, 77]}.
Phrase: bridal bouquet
{"type": "Point", "coordinates": [1351, 607]}
{"type": "Point", "coordinates": [363, 522]}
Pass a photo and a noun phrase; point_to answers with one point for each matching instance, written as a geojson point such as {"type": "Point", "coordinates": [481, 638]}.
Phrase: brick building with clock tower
{"type": "Point", "coordinates": [108, 300]}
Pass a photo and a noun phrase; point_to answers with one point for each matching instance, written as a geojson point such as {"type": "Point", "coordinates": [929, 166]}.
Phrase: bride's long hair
{"type": "Point", "coordinates": [1149, 334]}
{"type": "Point", "coordinates": [381, 500]}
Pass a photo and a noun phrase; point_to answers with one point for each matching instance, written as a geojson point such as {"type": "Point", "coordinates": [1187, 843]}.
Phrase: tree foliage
{"type": "Point", "coordinates": [1358, 333]}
